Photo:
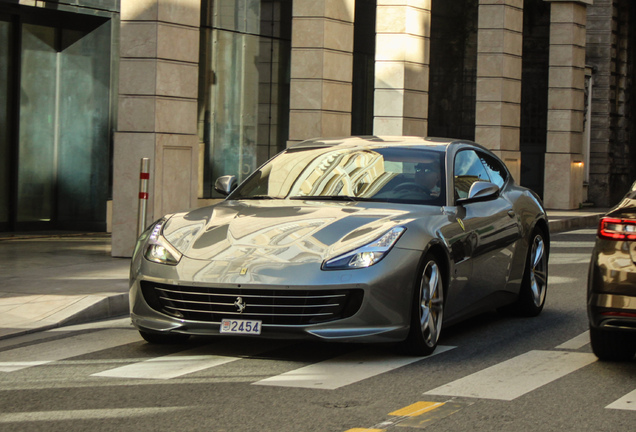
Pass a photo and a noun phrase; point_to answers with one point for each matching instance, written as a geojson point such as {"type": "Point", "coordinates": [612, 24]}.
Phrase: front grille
{"type": "Point", "coordinates": [271, 306]}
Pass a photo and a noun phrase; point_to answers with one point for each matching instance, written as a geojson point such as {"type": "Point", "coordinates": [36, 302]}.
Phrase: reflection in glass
{"type": "Point", "coordinates": [357, 173]}
{"type": "Point", "coordinates": [38, 131]}
{"type": "Point", "coordinates": [84, 87]}
{"type": "Point", "coordinates": [64, 125]}
{"type": "Point", "coordinates": [5, 159]}
{"type": "Point", "coordinates": [244, 85]}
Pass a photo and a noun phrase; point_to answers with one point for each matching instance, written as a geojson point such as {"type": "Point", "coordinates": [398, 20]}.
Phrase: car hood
{"type": "Point", "coordinates": [281, 231]}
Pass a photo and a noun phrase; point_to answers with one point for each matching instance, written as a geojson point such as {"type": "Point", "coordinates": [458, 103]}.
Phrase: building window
{"type": "Point", "coordinates": [244, 85]}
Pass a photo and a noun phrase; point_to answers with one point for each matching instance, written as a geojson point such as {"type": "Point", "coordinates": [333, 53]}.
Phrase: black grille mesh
{"type": "Point", "coordinates": [271, 306]}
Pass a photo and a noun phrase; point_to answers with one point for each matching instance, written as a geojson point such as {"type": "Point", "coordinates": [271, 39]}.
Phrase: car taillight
{"type": "Point", "coordinates": [616, 229]}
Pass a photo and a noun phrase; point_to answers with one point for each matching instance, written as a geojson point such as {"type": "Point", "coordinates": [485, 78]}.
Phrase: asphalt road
{"type": "Point", "coordinates": [492, 373]}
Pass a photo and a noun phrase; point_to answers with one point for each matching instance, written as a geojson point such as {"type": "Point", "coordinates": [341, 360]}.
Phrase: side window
{"type": "Point", "coordinates": [496, 171]}
{"type": "Point", "coordinates": [468, 169]}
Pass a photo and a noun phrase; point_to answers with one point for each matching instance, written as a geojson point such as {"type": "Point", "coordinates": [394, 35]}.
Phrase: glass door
{"type": "Point", "coordinates": [39, 105]}
{"type": "Point", "coordinates": [64, 127]}
{"type": "Point", "coordinates": [55, 120]}
{"type": "Point", "coordinates": [6, 43]}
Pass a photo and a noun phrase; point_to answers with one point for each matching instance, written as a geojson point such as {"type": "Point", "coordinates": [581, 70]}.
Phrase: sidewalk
{"type": "Point", "coordinates": [52, 280]}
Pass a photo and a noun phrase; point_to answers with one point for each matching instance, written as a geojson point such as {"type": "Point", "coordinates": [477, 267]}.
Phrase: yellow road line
{"type": "Point", "coordinates": [416, 409]}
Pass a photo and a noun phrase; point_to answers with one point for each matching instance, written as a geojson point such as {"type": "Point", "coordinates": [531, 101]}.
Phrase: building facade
{"type": "Point", "coordinates": [204, 88]}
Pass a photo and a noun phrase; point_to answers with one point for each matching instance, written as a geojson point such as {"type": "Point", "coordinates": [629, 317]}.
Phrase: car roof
{"type": "Point", "coordinates": [440, 144]}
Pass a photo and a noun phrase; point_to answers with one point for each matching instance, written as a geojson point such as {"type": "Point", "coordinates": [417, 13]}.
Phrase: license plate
{"type": "Point", "coordinates": [233, 326]}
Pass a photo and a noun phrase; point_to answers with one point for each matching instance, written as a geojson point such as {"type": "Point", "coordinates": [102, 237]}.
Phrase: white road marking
{"type": "Point", "coordinates": [515, 377]}
{"type": "Point", "coordinates": [39, 416]}
{"type": "Point", "coordinates": [343, 370]}
{"type": "Point", "coordinates": [570, 258]}
{"type": "Point", "coordinates": [571, 244]}
{"type": "Point", "coordinates": [175, 365]}
{"type": "Point", "coordinates": [46, 352]}
{"type": "Point", "coordinates": [627, 402]}
{"type": "Point", "coordinates": [553, 280]}
{"type": "Point", "coordinates": [577, 342]}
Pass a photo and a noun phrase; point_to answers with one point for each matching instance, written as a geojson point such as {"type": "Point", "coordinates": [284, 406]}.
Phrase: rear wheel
{"type": "Point", "coordinates": [163, 338]}
{"type": "Point", "coordinates": [534, 284]}
{"type": "Point", "coordinates": [427, 310]}
{"type": "Point", "coordinates": [612, 345]}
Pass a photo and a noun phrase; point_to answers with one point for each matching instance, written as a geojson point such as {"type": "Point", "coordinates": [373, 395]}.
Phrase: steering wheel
{"type": "Point", "coordinates": [410, 186]}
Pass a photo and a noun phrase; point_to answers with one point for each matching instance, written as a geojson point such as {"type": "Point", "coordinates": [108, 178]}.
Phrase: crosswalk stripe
{"type": "Point", "coordinates": [577, 342]}
{"type": "Point", "coordinates": [343, 370]}
{"type": "Point", "coordinates": [167, 367]}
{"type": "Point", "coordinates": [46, 352]}
{"type": "Point", "coordinates": [627, 402]}
{"type": "Point", "coordinates": [555, 280]}
{"type": "Point", "coordinates": [15, 366]}
{"type": "Point", "coordinates": [570, 258]}
{"type": "Point", "coordinates": [177, 364]}
{"type": "Point", "coordinates": [515, 377]}
{"type": "Point", "coordinates": [40, 416]}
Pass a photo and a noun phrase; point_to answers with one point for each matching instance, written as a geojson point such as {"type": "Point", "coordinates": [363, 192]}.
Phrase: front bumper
{"type": "Point", "coordinates": [382, 315]}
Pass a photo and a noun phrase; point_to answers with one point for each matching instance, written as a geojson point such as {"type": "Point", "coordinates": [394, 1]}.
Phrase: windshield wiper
{"type": "Point", "coordinates": [325, 198]}
{"type": "Point", "coordinates": [257, 197]}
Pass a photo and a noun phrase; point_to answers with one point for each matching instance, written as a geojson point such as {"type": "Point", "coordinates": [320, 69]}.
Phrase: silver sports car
{"type": "Point", "coordinates": [374, 239]}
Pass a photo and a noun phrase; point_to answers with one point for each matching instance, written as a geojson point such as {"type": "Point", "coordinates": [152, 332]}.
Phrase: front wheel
{"type": "Point", "coordinates": [427, 310]}
{"type": "Point", "coordinates": [534, 284]}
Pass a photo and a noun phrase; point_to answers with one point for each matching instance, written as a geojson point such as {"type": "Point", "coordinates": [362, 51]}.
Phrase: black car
{"type": "Point", "coordinates": [611, 294]}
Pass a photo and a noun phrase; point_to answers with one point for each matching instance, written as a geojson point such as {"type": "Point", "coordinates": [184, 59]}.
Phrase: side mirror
{"type": "Point", "coordinates": [480, 191]}
{"type": "Point", "coordinates": [225, 184]}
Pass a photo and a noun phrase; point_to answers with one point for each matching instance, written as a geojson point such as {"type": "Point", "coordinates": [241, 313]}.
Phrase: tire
{"type": "Point", "coordinates": [534, 284]}
{"type": "Point", "coordinates": [427, 311]}
{"type": "Point", "coordinates": [164, 338]}
{"type": "Point", "coordinates": [609, 345]}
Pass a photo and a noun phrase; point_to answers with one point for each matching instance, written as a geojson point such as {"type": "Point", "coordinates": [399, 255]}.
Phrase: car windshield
{"type": "Point", "coordinates": [388, 174]}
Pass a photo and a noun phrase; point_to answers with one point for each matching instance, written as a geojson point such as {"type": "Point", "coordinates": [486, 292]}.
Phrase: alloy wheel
{"type": "Point", "coordinates": [431, 303]}
{"type": "Point", "coordinates": [538, 270]}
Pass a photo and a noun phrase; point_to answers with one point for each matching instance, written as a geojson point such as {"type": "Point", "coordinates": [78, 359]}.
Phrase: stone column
{"type": "Point", "coordinates": [403, 49]}
{"type": "Point", "coordinates": [157, 113]}
{"type": "Point", "coordinates": [564, 170]}
{"type": "Point", "coordinates": [321, 69]}
{"type": "Point", "coordinates": [499, 65]}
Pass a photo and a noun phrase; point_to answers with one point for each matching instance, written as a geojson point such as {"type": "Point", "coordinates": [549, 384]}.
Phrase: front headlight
{"type": "Point", "coordinates": [366, 255]}
{"type": "Point", "coordinates": [158, 249]}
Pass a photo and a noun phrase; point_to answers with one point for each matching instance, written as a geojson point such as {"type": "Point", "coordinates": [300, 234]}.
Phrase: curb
{"type": "Point", "coordinates": [91, 308]}
{"type": "Point", "coordinates": [568, 224]}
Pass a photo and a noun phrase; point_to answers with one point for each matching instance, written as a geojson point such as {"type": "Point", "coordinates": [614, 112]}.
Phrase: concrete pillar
{"type": "Point", "coordinates": [402, 58]}
{"type": "Point", "coordinates": [564, 169]}
{"type": "Point", "coordinates": [499, 65]}
{"type": "Point", "coordinates": [321, 69]}
{"type": "Point", "coordinates": [157, 113]}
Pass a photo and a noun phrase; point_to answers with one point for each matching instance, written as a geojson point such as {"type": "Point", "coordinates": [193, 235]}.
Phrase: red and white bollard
{"type": "Point", "coordinates": [144, 177]}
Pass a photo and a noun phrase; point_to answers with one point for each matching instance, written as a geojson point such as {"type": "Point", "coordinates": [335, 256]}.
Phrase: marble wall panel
{"type": "Point", "coordinates": [136, 114]}
{"type": "Point", "coordinates": [140, 76]}
{"type": "Point", "coordinates": [178, 43]}
{"type": "Point", "coordinates": [175, 115]}
{"type": "Point", "coordinates": [343, 10]}
{"type": "Point", "coordinates": [138, 39]}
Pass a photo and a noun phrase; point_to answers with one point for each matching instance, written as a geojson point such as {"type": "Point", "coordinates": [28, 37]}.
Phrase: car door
{"type": "Point", "coordinates": [491, 230]}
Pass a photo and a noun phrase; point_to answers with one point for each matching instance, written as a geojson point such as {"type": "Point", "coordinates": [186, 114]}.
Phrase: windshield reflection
{"type": "Point", "coordinates": [391, 174]}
